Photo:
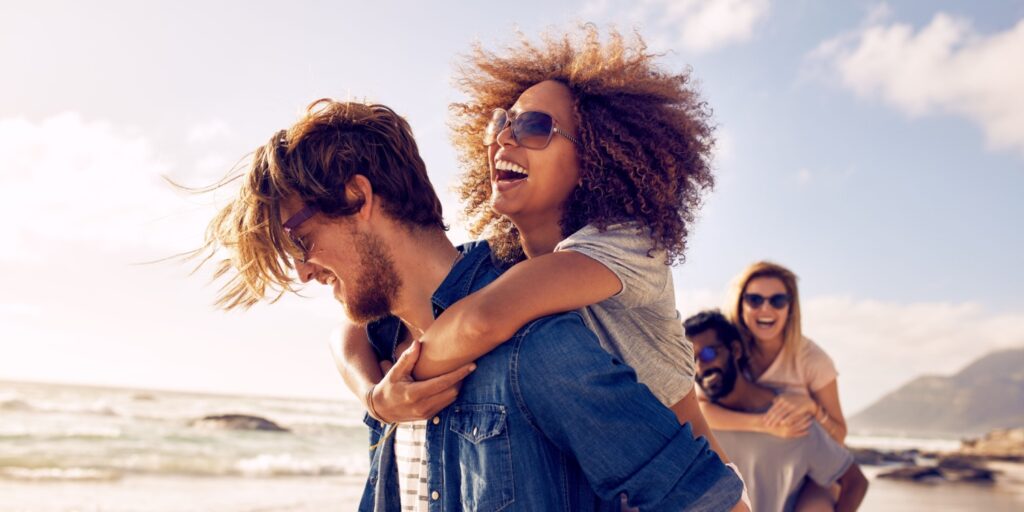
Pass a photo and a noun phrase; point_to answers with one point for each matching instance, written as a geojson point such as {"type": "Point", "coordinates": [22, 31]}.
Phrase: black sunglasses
{"type": "Point", "coordinates": [531, 130]}
{"type": "Point", "coordinates": [777, 301]}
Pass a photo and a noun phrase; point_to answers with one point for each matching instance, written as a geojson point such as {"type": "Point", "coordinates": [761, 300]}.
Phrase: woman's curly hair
{"type": "Point", "coordinates": [646, 136]}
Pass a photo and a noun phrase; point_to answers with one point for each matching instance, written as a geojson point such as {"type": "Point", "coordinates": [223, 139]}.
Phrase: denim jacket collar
{"type": "Point", "coordinates": [385, 334]}
{"type": "Point", "coordinates": [459, 281]}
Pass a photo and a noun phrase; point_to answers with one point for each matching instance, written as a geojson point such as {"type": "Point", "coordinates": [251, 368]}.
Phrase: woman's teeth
{"type": "Point", "coordinates": [512, 170]}
{"type": "Point", "coordinates": [765, 322]}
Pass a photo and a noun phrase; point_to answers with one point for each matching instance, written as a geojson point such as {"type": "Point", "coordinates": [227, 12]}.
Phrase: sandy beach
{"type": "Point", "coordinates": [304, 494]}
{"type": "Point", "coordinates": [181, 494]}
{"type": "Point", "coordinates": [1006, 495]}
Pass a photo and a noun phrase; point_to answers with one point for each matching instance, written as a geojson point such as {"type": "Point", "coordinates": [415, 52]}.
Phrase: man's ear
{"type": "Point", "coordinates": [358, 189]}
{"type": "Point", "coordinates": [738, 353]}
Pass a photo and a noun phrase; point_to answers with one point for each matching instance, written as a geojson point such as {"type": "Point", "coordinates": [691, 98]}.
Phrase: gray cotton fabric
{"type": "Point", "coordinates": [774, 468]}
{"type": "Point", "coordinates": [640, 324]}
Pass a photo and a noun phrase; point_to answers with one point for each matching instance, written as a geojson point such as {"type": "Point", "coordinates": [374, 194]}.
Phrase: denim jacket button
{"type": "Point", "coordinates": [435, 495]}
{"type": "Point", "coordinates": [436, 420]}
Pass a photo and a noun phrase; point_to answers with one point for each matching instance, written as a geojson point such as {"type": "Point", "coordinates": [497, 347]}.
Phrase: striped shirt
{"type": "Point", "coordinates": [410, 454]}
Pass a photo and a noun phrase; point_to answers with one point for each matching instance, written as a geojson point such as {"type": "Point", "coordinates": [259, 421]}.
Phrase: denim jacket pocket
{"type": "Point", "coordinates": [485, 456]}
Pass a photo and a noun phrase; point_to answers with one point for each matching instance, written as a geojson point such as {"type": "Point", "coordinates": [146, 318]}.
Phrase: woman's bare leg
{"type": "Point", "coordinates": [814, 498]}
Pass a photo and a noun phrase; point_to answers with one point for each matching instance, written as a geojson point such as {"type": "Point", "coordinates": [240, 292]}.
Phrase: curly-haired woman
{"type": "Point", "coordinates": [584, 165]}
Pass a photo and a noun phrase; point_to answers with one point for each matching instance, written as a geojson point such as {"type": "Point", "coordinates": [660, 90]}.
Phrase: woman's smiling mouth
{"type": "Point", "coordinates": [505, 170]}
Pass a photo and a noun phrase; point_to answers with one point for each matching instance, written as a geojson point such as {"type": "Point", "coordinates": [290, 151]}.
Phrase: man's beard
{"type": "Point", "coordinates": [377, 287]}
{"type": "Point", "coordinates": [721, 387]}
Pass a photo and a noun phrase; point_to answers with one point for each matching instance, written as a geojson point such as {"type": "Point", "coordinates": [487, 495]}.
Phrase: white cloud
{"type": "Point", "coordinates": [878, 13]}
{"type": "Point", "coordinates": [9, 310]}
{"type": "Point", "coordinates": [879, 346]}
{"type": "Point", "coordinates": [947, 67]}
{"type": "Point", "coordinates": [209, 166]}
{"type": "Point", "coordinates": [804, 176]}
{"type": "Point", "coordinates": [709, 24]}
{"type": "Point", "coordinates": [74, 180]}
{"type": "Point", "coordinates": [695, 25]}
{"type": "Point", "coordinates": [208, 131]}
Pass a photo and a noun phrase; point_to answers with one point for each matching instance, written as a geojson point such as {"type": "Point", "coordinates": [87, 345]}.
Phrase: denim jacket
{"type": "Point", "coordinates": [549, 421]}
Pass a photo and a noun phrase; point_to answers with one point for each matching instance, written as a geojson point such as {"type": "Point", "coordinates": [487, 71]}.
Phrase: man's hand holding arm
{"type": "Point", "coordinates": [387, 390]}
{"type": "Point", "coordinates": [399, 398]}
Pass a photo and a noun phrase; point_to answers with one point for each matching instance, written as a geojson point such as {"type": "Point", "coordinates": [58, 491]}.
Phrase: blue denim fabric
{"type": "Point", "coordinates": [549, 421]}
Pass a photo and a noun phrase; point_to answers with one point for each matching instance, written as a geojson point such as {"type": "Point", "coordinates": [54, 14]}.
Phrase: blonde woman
{"type": "Point", "coordinates": [764, 304]}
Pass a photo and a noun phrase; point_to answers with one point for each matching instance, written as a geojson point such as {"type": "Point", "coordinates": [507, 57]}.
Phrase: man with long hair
{"type": "Point", "coordinates": [547, 421]}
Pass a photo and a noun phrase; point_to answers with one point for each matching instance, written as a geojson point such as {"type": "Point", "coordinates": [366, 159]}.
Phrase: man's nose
{"type": "Point", "coordinates": [306, 271]}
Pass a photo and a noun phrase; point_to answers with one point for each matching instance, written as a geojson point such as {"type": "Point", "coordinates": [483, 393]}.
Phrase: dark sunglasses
{"type": "Point", "coordinates": [709, 353]}
{"type": "Point", "coordinates": [293, 223]}
{"type": "Point", "coordinates": [777, 301]}
{"type": "Point", "coordinates": [531, 130]}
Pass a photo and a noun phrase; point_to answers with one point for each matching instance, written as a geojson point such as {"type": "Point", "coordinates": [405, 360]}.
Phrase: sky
{"type": "Point", "coordinates": [876, 149]}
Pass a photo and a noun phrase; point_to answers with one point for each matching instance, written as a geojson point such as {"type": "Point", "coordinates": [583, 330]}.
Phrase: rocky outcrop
{"type": "Point", "coordinates": [237, 422]}
{"type": "Point", "coordinates": [965, 465]}
{"type": "Point", "coordinates": [1002, 444]}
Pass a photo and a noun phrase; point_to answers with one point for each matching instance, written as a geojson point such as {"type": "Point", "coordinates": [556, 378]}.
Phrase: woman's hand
{"type": "Point", "coordinates": [397, 397]}
{"type": "Point", "coordinates": [790, 415]}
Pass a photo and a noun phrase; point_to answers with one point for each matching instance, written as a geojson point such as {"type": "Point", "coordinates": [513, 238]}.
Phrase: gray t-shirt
{"type": "Point", "coordinates": [774, 468]}
{"type": "Point", "coordinates": [640, 324]}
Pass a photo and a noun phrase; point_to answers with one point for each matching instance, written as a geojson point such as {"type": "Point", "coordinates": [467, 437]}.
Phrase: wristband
{"type": "Point", "coordinates": [369, 405]}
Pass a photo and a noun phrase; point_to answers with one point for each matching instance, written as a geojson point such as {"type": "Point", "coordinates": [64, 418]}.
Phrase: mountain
{"type": "Point", "coordinates": [987, 394]}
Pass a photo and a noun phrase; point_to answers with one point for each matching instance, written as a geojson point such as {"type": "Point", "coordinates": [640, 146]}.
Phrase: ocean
{"type": "Point", "coordinates": [66, 448]}
{"type": "Point", "coordinates": [75, 448]}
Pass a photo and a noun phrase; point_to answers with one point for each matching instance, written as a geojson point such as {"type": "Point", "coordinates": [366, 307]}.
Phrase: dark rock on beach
{"type": "Point", "coordinates": [963, 469]}
{"type": "Point", "coordinates": [952, 468]}
{"type": "Point", "coordinates": [870, 457]}
{"type": "Point", "coordinates": [237, 422]}
{"type": "Point", "coordinates": [913, 473]}
{"type": "Point", "coordinates": [957, 462]}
